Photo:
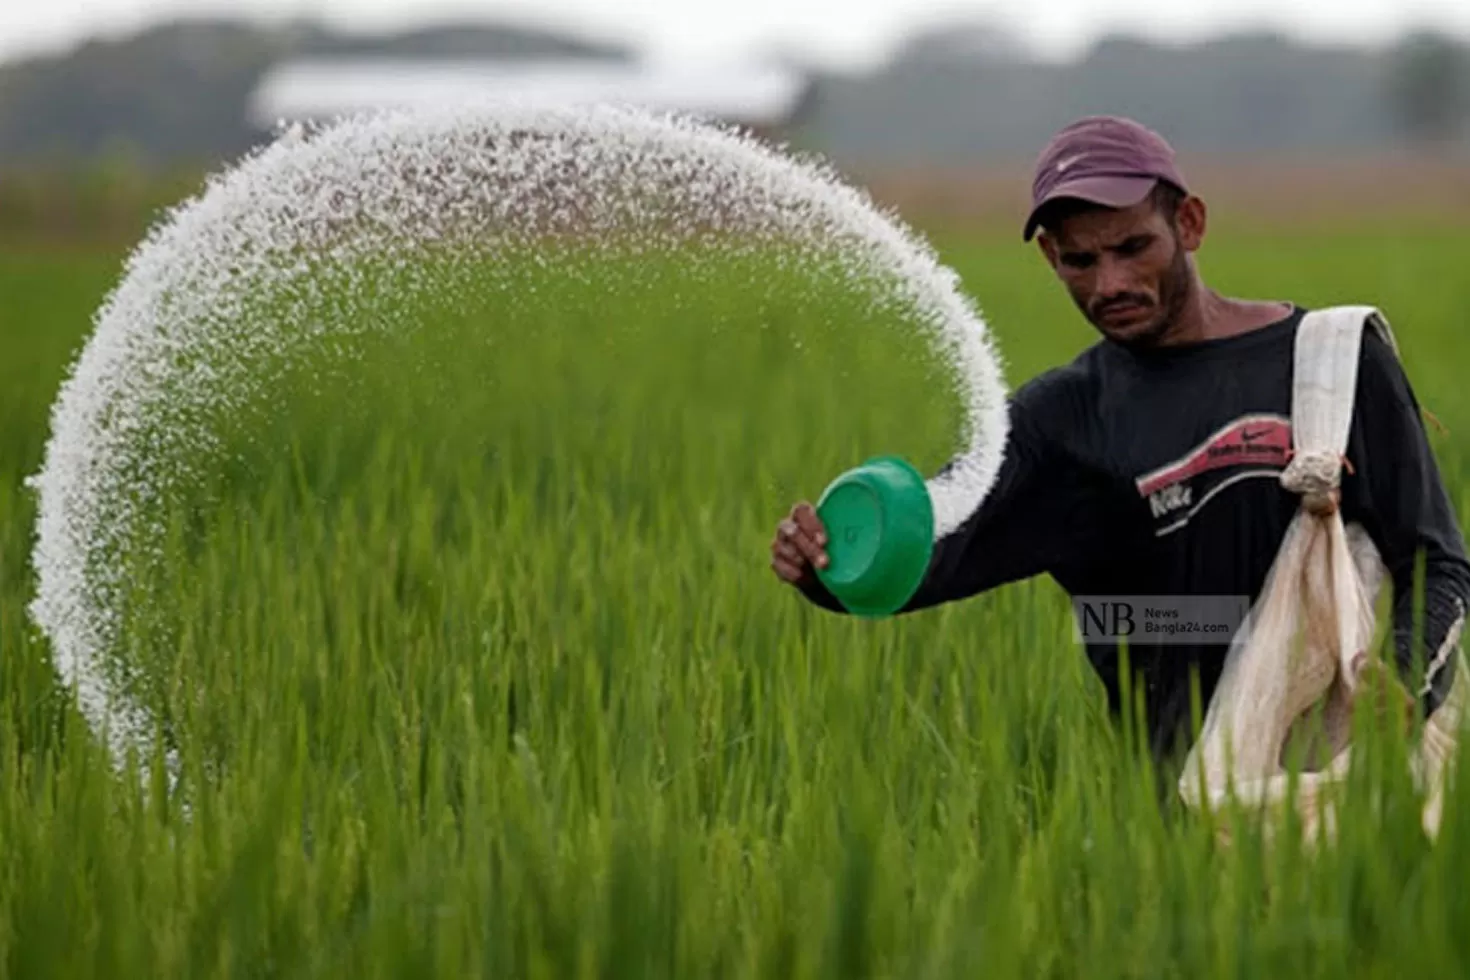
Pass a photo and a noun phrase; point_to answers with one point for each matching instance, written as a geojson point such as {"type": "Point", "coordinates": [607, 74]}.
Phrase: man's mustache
{"type": "Point", "coordinates": [1113, 302]}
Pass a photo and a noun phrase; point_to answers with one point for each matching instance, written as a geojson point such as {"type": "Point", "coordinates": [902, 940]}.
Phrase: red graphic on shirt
{"type": "Point", "coordinates": [1251, 440]}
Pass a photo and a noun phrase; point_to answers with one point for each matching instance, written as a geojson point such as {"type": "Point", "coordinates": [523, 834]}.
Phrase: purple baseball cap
{"type": "Point", "coordinates": [1107, 160]}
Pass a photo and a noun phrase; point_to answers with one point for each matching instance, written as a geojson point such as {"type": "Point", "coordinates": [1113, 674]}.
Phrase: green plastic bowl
{"type": "Point", "coordinates": [880, 536]}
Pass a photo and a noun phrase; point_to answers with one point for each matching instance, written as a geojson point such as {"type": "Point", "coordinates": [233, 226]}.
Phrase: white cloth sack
{"type": "Point", "coordinates": [1299, 658]}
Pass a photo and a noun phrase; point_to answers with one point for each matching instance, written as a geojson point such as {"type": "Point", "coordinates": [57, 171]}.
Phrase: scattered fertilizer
{"type": "Point", "coordinates": [229, 289]}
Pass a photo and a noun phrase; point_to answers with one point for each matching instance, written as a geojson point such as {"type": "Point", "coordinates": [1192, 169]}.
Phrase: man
{"type": "Point", "coordinates": [1149, 465]}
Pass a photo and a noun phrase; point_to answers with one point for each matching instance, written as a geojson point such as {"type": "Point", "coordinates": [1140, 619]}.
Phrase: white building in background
{"type": "Point", "coordinates": [764, 99]}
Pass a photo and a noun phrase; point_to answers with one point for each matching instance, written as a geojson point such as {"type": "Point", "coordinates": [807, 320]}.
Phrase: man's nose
{"type": "Point", "coordinates": [1112, 277]}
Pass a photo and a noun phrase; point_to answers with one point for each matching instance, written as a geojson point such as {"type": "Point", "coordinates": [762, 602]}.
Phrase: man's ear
{"type": "Point", "coordinates": [1191, 221]}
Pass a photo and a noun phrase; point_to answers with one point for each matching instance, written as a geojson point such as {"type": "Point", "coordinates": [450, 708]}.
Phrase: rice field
{"type": "Point", "coordinates": [476, 667]}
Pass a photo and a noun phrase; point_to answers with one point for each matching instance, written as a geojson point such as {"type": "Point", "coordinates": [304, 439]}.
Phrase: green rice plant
{"type": "Point", "coordinates": [475, 666]}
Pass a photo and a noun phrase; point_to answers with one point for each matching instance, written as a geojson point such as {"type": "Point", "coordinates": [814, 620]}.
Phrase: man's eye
{"type": "Point", "coordinates": [1133, 246]}
{"type": "Point", "coordinates": [1076, 260]}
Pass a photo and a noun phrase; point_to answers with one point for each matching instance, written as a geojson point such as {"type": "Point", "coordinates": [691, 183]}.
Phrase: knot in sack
{"type": "Point", "coordinates": [1313, 475]}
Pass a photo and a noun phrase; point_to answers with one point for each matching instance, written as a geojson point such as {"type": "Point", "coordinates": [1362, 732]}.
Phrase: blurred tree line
{"type": "Point", "coordinates": [1430, 89]}
{"type": "Point", "coordinates": [138, 113]}
{"type": "Point", "coordinates": [176, 94]}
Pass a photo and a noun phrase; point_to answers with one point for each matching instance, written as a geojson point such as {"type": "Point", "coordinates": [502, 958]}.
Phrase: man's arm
{"type": "Point", "coordinates": [1406, 509]}
{"type": "Point", "coordinates": [1019, 530]}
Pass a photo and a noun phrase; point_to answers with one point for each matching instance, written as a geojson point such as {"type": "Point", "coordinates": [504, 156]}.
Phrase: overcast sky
{"type": "Point", "coordinates": [838, 32]}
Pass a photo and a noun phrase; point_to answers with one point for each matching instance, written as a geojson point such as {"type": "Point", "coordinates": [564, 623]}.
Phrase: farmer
{"type": "Point", "coordinates": [1149, 465]}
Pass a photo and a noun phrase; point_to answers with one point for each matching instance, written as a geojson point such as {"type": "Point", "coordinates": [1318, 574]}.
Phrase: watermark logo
{"type": "Point", "coordinates": [1158, 619]}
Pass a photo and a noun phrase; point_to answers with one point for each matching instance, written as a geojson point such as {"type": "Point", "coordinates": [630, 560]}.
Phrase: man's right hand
{"type": "Point", "coordinates": [799, 547]}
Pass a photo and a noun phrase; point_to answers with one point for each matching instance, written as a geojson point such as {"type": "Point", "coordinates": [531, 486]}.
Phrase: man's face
{"type": "Point", "coordinates": [1127, 270]}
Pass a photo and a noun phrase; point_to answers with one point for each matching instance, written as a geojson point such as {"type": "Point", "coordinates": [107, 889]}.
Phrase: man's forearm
{"type": "Point", "coordinates": [1426, 631]}
{"type": "Point", "coordinates": [819, 595]}
{"type": "Point", "coordinates": [1404, 500]}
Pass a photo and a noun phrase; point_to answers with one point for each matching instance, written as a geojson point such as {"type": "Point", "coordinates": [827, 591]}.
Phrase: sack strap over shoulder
{"type": "Point", "coordinates": [1324, 383]}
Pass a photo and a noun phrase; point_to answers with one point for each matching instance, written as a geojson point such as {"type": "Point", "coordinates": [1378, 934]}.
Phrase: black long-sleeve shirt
{"type": "Point", "coordinates": [1156, 473]}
